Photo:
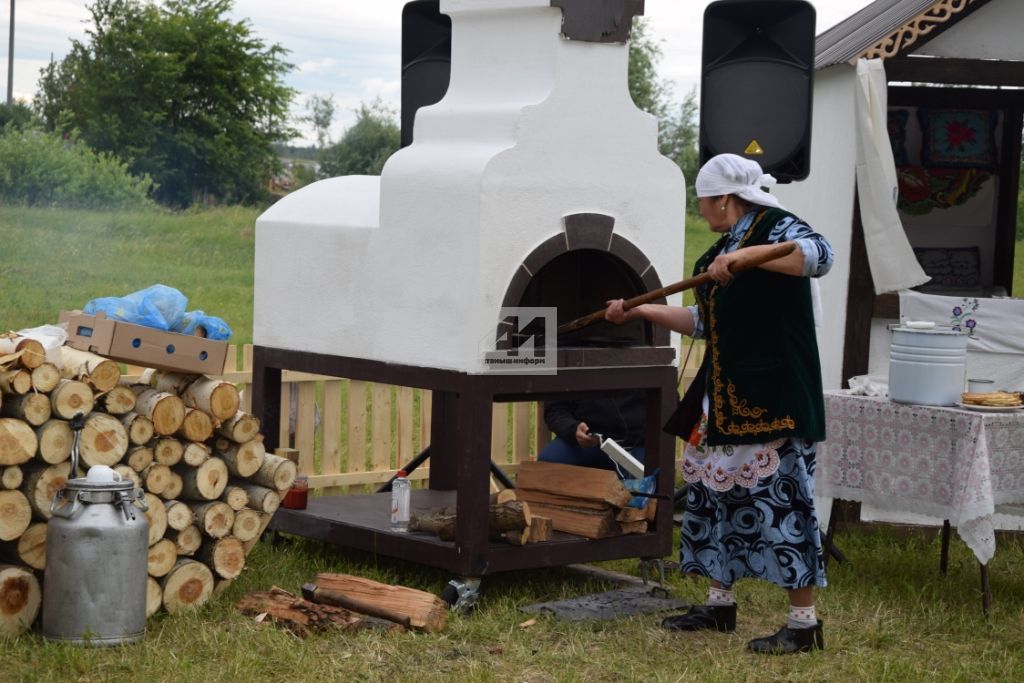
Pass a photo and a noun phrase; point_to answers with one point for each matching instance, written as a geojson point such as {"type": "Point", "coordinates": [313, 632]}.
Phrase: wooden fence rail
{"type": "Point", "coordinates": [351, 433]}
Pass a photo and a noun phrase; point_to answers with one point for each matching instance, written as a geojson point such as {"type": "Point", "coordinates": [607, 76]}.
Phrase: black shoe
{"type": "Point", "coordinates": [719, 617]}
{"type": "Point", "coordinates": [789, 640]}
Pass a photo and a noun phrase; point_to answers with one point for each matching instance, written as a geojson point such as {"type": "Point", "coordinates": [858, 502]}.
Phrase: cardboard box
{"type": "Point", "coordinates": [144, 346]}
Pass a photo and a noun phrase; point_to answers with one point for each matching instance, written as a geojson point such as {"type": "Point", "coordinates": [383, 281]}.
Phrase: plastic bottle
{"type": "Point", "coordinates": [400, 493]}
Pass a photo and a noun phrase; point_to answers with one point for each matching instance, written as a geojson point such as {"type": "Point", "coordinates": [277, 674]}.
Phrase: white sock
{"type": "Point", "coordinates": [720, 596]}
{"type": "Point", "coordinates": [802, 617]}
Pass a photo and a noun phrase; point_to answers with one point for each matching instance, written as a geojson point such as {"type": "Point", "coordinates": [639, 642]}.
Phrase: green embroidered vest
{"type": "Point", "coordinates": [763, 376]}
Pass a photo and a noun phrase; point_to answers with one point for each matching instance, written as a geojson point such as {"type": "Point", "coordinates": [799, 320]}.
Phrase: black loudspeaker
{"type": "Point", "coordinates": [756, 83]}
{"type": "Point", "coordinates": [426, 59]}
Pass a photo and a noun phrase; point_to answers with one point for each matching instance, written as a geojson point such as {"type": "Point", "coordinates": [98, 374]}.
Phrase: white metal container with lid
{"type": "Point", "coordinates": [927, 364]}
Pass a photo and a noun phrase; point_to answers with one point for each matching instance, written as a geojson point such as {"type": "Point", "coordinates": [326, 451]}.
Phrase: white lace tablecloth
{"type": "Point", "coordinates": [949, 463]}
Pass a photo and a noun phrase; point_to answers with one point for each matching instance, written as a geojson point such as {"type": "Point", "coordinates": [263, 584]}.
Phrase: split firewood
{"type": "Point", "coordinates": [189, 584]}
{"type": "Point", "coordinates": [235, 497]}
{"type": "Point", "coordinates": [98, 372]}
{"type": "Point", "coordinates": [541, 529]}
{"type": "Point", "coordinates": [581, 522]}
{"type": "Point", "coordinates": [161, 558]}
{"type": "Point", "coordinates": [425, 611]}
{"type": "Point", "coordinates": [32, 408]}
{"type": "Point", "coordinates": [16, 382]}
{"type": "Point", "coordinates": [187, 540]}
{"type": "Point", "coordinates": [15, 515]}
{"type": "Point", "coordinates": [197, 425]}
{"type": "Point", "coordinates": [11, 477]}
{"type": "Point", "coordinates": [243, 459]}
{"type": "Point", "coordinates": [637, 527]}
{"type": "Point", "coordinates": [276, 472]}
{"type": "Point", "coordinates": [31, 353]}
{"type": "Point", "coordinates": [139, 427]}
{"type": "Point", "coordinates": [55, 440]}
{"type": "Point", "coordinates": [195, 454]}
{"type": "Point", "coordinates": [165, 410]}
{"type": "Point", "coordinates": [71, 397]}
{"type": "Point", "coordinates": [156, 515]}
{"type": "Point", "coordinates": [154, 596]}
{"type": "Point", "coordinates": [241, 428]}
{"type": "Point", "coordinates": [103, 441]}
{"type": "Point", "coordinates": [630, 514]}
{"type": "Point", "coordinates": [502, 517]}
{"type": "Point", "coordinates": [168, 451]}
{"type": "Point", "coordinates": [19, 441]}
{"type": "Point", "coordinates": [586, 483]}
{"type": "Point", "coordinates": [178, 514]}
{"type": "Point", "coordinates": [301, 617]}
{"type": "Point", "coordinates": [215, 519]}
{"type": "Point", "coordinates": [215, 397]}
{"type": "Point", "coordinates": [40, 483]}
{"type": "Point", "coordinates": [28, 549]}
{"type": "Point", "coordinates": [205, 482]}
{"type": "Point", "coordinates": [20, 597]}
{"type": "Point", "coordinates": [175, 485]}
{"type": "Point", "coordinates": [119, 400]}
{"type": "Point", "coordinates": [139, 458]}
{"type": "Point", "coordinates": [247, 525]}
{"type": "Point", "coordinates": [225, 556]}
{"type": "Point", "coordinates": [323, 596]}
{"type": "Point", "coordinates": [45, 378]}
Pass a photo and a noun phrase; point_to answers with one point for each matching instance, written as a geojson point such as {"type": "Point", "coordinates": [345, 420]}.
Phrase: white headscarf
{"type": "Point", "coordinates": [733, 174]}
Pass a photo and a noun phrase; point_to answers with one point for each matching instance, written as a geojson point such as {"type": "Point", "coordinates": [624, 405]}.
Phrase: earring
{"type": "Point", "coordinates": [722, 207]}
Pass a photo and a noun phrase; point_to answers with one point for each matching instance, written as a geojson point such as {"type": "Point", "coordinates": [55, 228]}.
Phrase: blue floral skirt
{"type": "Point", "coordinates": [769, 531]}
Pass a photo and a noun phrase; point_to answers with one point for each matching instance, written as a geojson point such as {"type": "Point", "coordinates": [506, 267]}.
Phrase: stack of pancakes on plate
{"type": "Point", "coordinates": [992, 399]}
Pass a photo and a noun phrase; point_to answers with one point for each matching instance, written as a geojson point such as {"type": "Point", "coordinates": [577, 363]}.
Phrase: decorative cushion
{"type": "Point", "coordinates": [950, 267]}
{"type": "Point", "coordinates": [963, 138]}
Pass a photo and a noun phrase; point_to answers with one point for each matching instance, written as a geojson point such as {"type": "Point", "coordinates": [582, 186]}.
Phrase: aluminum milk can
{"type": "Point", "coordinates": [94, 587]}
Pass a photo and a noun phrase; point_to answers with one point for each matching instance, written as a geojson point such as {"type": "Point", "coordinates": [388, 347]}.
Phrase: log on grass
{"type": "Point", "coordinates": [213, 396]}
{"type": "Point", "coordinates": [18, 442]}
{"type": "Point", "coordinates": [11, 477]}
{"type": "Point", "coordinates": [139, 427]}
{"type": "Point", "coordinates": [55, 440]}
{"type": "Point", "coordinates": [276, 473]}
{"type": "Point", "coordinates": [28, 549]}
{"type": "Point", "coordinates": [45, 378]}
{"type": "Point", "coordinates": [139, 458]}
{"type": "Point", "coordinates": [154, 596]}
{"type": "Point", "coordinates": [205, 482]}
{"type": "Point", "coordinates": [247, 525]}
{"type": "Point", "coordinates": [20, 599]}
{"type": "Point", "coordinates": [32, 408]}
{"type": "Point", "coordinates": [178, 514]}
{"type": "Point", "coordinates": [243, 460]}
{"type": "Point", "coordinates": [197, 426]}
{"type": "Point", "coordinates": [425, 610]}
{"type": "Point", "coordinates": [15, 515]}
{"type": "Point", "coordinates": [301, 617]}
{"type": "Point", "coordinates": [98, 372]}
{"type": "Point", "coordinates": [188, 585]}
{"type": "Point", "coordinates": [119, 400]}
{"type": "Point", "coordinates": [187, 540]}
{"type": "Point", "coordinates": [323, 596]}
{"type": "Point", "coordinates": [16, 382]}
{"type": "Point", "coordinates": [167, 451]}
{"type": "Point", "coordinates": [31, 353]}
{"type": "Point", "coordinates": [41, 482]}
{"type": "Point", "coordinates": [161, 558]}
{"type": "Point", "coordinates": [156, 515]}
{"type": "Point", "coordinates": [71, 397]}
{"type": "Point", "coordinates": [241, 428]}
{"type": "Point", "coordinates": [103, 441]}
{"type": "Point", "coordinates": [165, 410]}
{"type": "Point", "coordinates": [587, 483]}
{"type": "Point", "coordinates": [225, 556]}
{"type": "Point", "coordinates": [215, 519]}
{"type": "Point", "coordinates": [260, 497]}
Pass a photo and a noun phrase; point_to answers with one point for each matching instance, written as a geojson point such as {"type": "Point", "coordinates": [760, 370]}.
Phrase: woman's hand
{"type": "Point", "coordinates": [719, 268]}
{"type": "Point", "coordinates": [583, 437]}
{"type": "Point", "coordinates": [616, 313]}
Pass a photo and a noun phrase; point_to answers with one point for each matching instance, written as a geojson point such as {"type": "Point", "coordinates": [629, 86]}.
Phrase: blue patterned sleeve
{"type": "Point", "coordinates": [698, 324]}
{"type": "Point", "coordinates": [818, 256]}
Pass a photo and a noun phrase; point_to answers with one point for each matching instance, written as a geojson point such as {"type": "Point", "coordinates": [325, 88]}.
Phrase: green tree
{"type": "Point", "coordinates": [18, 115]}
{"type": "Point", "coordinates": [180, 92]}
{"type": "Point", "coordinates": [365, 147]}
{"type": "Point", "coordinates": [320, 116]}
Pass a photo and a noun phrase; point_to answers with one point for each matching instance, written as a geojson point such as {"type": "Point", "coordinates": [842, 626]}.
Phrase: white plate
{"type": "Point", "coordinates": [988, 409]}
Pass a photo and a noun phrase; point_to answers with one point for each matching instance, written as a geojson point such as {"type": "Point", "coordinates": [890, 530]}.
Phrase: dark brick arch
{"type": "Point", "coordinates": [593, 231]}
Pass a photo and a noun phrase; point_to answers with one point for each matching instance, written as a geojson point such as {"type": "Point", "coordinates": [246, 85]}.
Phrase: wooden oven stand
{"type": "Point", "coordinates": [460, 463]}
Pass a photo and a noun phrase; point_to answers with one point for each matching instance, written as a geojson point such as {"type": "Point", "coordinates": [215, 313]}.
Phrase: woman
{"type": "Point", "coordinates": [754, 413]}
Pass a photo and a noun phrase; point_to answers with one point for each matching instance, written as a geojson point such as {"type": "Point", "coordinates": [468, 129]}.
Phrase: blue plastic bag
{"type": "Point", "coordinates": [159, 306]}
{"type": "Point", "coordinates": [645, 485]}
{"type": "Point", "coordinates": [214, 327]}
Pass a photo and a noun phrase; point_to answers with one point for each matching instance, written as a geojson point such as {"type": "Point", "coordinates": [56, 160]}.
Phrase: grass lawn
{"type": "Point", "coordinates": [889, 615]}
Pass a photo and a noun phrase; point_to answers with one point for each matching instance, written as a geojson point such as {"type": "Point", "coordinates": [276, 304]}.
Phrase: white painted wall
{"type": "Point", "coordinates": [825, 201]}
{"type": "Point", "coordinates": [992, 32]}
{"type": "Point", "coordinates": [412, 267]}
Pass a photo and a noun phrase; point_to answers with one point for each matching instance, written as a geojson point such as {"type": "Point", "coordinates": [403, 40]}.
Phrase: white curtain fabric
{"type": "Point", "coordinates": [892, 261]}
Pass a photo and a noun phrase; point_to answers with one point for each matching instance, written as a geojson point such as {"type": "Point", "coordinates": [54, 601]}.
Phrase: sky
{"type": "Point", "coordinates": [349, 49]}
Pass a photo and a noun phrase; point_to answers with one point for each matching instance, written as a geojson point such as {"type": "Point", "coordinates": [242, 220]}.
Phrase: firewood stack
{"type": "Point", "coordinates": [584, 501]}
{"type": "Point", "coordinates": [210, 486]}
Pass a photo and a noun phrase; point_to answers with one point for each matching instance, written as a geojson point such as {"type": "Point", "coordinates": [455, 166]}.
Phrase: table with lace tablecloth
{"type": "Point", "coordinates": [955, 464]}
